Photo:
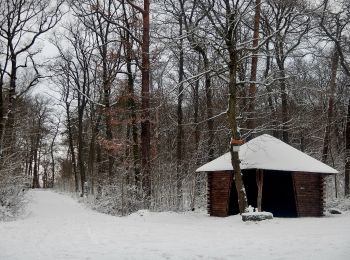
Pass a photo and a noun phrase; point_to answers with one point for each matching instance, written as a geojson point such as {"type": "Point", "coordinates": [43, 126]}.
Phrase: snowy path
{"type": "Point", "coordinates": [58, 227]}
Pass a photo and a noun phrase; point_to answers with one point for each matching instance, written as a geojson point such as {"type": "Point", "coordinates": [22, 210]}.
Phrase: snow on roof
{"type": "Point", "coordinates": [269, 153]}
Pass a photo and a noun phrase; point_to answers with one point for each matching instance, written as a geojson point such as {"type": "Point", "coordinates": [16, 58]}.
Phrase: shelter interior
{"type": "Point", "coordinates": [277, 193]}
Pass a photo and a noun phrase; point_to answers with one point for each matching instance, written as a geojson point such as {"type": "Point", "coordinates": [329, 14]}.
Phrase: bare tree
{"type": "Point", "coordinates": [195, 34]}
{"type": "Point", "coordinates": [254, 66]}
{"type": "Point", "coordinates": [144, 11]}
{"type": "Point", "coordinates": [290, 25]}
{"type": "Point", "coordinates": [39, 131]}
{"type": "Point", "coordinates": [21, 25]}
{"type": "Point", "coordinates": [336, 25]}
{"type": "Point", "coordinates": [331, 94]}
{"type": "Point", "coordinates": [225, 18]}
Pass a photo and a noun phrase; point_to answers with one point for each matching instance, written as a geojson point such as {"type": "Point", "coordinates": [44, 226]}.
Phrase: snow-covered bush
{"type": "Point", "coordinates": [116, 200]}
{"type": "Point", "coordinates": [342, 204]}
{"type": "Point", "coordinates": [120, 198]}
{"type": "Point", "coordinates": [12, 196]}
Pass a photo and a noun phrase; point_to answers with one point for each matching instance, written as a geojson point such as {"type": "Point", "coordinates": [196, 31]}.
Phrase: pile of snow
{"type": "Point", "coordinates": [140, 213]}
{"type": "Point", "coordinates": [256, 216]}
{"type": "Point", "coordinates": [334, 211]}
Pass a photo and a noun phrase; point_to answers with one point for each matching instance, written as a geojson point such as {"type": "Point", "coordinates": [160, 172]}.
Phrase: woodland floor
{"type": "Point", "coordinates": [58, 227]}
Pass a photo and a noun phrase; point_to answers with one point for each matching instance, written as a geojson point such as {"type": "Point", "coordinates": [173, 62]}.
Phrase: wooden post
{"type": "Point", "coordinates": [259, 183]}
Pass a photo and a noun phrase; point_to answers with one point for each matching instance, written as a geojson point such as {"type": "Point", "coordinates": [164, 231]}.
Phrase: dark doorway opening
{"type": "Point", "coordinates": [278, 193]}
{"type": "Point", "coordinates": [249, 179]}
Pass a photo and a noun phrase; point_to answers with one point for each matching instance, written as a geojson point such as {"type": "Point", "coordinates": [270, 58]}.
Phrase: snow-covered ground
{"type": "Point", "coordinates": [57, 227]}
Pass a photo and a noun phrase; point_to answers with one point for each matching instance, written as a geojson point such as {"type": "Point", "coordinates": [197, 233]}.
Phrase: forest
{"type": "Point", "coordinates": [136, 95]}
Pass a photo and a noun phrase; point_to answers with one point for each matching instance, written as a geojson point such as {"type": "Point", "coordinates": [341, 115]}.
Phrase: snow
{"type": "Point", "coordinates": [257, 216]}
{"type": "Point", "coordinates": [58, 227]}
{"type": "Point", "coordinates": [269, 153]}
{"type": "Point", "coordinates": [257, 213]}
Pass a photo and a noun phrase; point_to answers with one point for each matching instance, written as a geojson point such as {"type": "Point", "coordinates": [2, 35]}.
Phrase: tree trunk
{"type": "Point", "coordinates": [209, 104]}
{"type": "Point", "coordinates": [92, 150]}
{"type": "Point", "coordinates": [331, 93]}
{"type": "Point", "coordinates": [259, 182]}
{"type": "Point", "coordinates": [80, 150]}
{"type": "Point", "coordinates": [145, 105]}
{"type": "Point", "coordinates": [9, 133]}
{"type": "Point", "coordinates": [52, 154]}
{"type": "Point", "coordinates": [196, 116]}
{"type": "Point", "coordinates": [347, 153]}
{"type": "Point", "coordinates": [45, 178]}
{"type": "Point", "coordinates": [31, 158]}
{"type": "Point", "coordinates": [2, 119]}
{"type": "Point", "coordinates": [131, 101]}
{"type": "Point", "coordinates": [284, 99]}
{"type": "Point", "coordinates": [36, 183]}
{"type": "Point", "coordinates": [71, 148]}
{"type": "Point", "coordinates": [197, 188]}
{"type": "Point", "coordinates": [208, 90]}
{"type": "Point", "coordinates": [108, 115]}
{"type": "Point", "coordinates": [280, 60]}
{"type": "Point", "coordinates": [251, 122]}
{"type": "Point", "coordinates": [270, 93]}
{"type": "Point", "coordinates": [232, 103]}
{"type": "Point", "coordinates": [180, 132]}
{"type": "Point", "coordinates": [100, 171]}
{"type": "Point", "coordinates": [133, 116]}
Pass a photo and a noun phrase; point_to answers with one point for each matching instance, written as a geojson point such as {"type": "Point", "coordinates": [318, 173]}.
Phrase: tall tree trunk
{"type": "Point", "coordinates": [80, 150]}
{"type": "Point", "coordinates": [52, 154]}
{"type": "Point", "coordinates": [259, 182]}
{"type": "Point", "coordinates": [270, 93]}
{"type": "Point", "coordinates": [280, 60]}
{"type": "Point", "coordinates": [208, 90]}
{"type": "Point", "coordinates": [251, 122]}
{"type": "Point", "coordinates": [71, 148]}
{"type": "Point", "coordinates": [31, 158]}
{"type": "Point", "coordinates": [180, 132]}
{"type": "Point", "coordinates": [45, 177]}
{"type": "Point", "coordinates": [36, 183]}
{"type": "Point", "coordinates": [196, 117]}
{"type": "Point", "coordinates": [2, 119]}
{"type": "Point", "coordinates": [284, 100]}
{"type": "Point", "coordinates": [99, 170]}
{"type": "Point", "coordinates": [9, 135]}
{"type": "Point", "coordinates": [197, 188]}
{"type": "Point", "coordinates": [232, 103]}
{"type": "Point", "coordinates": [52, 168]}
{"type": "Point", "coordinates": [331, 93]}
{"type": "Point", "coordinates": [347, 153]}
{"type": "Point", "coordinates": [145, 105]}
{"type": "Point", "coordinates": [91, 161]}
{"type": "Point", "coordinates": [39, 157]}
{"type": "Point", "coordinates": [198, 46]}
{"type": "Point", "coordinates": [132, 102]}
{"type": "Point", "coordinates": [209, 104]}
{"type": "Point", "coordinates": [134, 131]}
{"type": "Point", "coordinates": [108, 115]}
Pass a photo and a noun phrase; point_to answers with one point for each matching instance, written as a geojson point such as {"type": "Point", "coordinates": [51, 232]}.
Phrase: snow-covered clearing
{"type": "Point", "coordinates": [58, 227]}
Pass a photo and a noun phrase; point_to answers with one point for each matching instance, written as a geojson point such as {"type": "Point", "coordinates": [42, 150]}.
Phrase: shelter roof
{"type": "Point", "coordinates": [269, 153]}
